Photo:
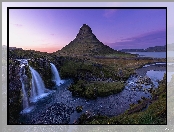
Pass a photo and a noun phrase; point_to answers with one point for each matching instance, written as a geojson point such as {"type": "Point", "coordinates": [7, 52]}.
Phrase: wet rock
{"type": "Point", "coordinates": [144, 80]}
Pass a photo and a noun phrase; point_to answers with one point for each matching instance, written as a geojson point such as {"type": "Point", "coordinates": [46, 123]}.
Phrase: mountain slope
{"type": "Point", "coordinates": [85, 44]}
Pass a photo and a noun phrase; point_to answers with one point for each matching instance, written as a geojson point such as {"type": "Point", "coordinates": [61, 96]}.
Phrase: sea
{"type": "Point", "coordinates": [159, 55]}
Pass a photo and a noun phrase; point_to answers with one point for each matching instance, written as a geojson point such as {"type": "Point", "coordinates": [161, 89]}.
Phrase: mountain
{"type": "Point", "coordinates": [150, 49]}
{"type": "Point", "coordinates": [85, 44]}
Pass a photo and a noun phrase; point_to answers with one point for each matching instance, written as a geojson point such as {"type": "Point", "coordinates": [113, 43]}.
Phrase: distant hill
{"type": "Point", "coordinates": [85, 44]}
{"type": "Point", "coordinates": [156, 49]}
{"type": "Point", "coordinates": [150, 49]}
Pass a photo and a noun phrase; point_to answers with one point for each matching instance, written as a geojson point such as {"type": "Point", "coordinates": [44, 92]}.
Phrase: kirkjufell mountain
{"type": "Point", "coordinates": [86, 44]}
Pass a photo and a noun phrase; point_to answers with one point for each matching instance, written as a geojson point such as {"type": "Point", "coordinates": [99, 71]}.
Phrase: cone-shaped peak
{"type": "Point", "coordinates": [85, 43]}
{"type": "Point", "coordinates": [85, 32]}
{"type": "Point", "coordinates": [85, 29]}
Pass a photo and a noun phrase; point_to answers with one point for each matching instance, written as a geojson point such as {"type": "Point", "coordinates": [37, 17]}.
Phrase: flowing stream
{"type": "Point", "coordinates": [110, 106]}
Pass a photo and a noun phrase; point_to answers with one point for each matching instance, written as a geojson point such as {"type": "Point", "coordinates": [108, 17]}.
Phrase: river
{"type": "Point", "coordinates": [111, 105]}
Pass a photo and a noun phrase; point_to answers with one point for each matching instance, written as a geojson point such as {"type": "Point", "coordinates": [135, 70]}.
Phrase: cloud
{"type": "Point", "coordinates": [109, 12]}
{"type": "Point", "coordinates": [155, 38]}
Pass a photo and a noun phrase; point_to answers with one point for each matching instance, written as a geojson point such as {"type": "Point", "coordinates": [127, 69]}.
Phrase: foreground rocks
{"type": "Point", "coordinates": [58, 113]}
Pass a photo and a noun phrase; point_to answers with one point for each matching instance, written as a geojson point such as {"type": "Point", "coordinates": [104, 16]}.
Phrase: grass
{"type": "Point", "coordinates": [96, 89]}
{"type": "Point", "coordinates": [117, 69]}
{"type": "Point", "coordinates": [119, 54]}
{"type": "Point", "coordinates": [154, 114]}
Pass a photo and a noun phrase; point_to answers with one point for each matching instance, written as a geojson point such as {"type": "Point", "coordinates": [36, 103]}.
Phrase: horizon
{"type": "Point", "coordinates": [60, 49]}
{"type": "Point", "coordinates": [50, 30]}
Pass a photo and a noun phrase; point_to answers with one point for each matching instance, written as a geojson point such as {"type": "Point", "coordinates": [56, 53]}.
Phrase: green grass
{"type": "Point", "coordinates": [96, 89]}
{"type": "Point", "coordinates": [154, 114]}
{"type": "Point", "coordinates": [120, 54]}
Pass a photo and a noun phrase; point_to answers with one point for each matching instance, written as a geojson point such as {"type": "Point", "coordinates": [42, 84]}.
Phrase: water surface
{"type": "Point", "coordinates": [150, 54]}
{"type": "Point", "coordinates": [111, 105]}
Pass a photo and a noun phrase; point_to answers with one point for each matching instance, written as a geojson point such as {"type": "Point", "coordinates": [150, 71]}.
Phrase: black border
{"type": "Point", "coordinates": [8, 8]}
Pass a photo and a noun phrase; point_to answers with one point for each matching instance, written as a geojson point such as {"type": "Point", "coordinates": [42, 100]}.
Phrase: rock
{"type": "Point", "coordinates": [58, 113]}
{"type": "Point", "coordinates": [79, 109]}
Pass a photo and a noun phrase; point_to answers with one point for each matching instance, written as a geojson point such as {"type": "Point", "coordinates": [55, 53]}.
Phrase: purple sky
{"type": "Point", "coordinates": [51, 29]}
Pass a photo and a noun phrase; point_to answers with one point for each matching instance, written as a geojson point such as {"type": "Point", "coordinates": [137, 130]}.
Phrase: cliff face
{"type": "Point", "coordinates": [14, 92]}
{"type": "Point", "coordinates": [85, 44]}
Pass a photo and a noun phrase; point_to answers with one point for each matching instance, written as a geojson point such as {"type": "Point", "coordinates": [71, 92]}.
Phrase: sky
{"type": "Point", "coordinates": [51, 29]}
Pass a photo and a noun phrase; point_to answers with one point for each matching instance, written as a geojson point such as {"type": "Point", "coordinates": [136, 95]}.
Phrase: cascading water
{"type": "Point", "coordinates": [38, 92]}
{"type": "Point", "coordinates": [38, 87]}
{"type": "Point", "coordinates": [23, 78]}
{"type": "Point", "coordinates": [56, 77]}
{"type": "Point", "coordinates": [25, 97]}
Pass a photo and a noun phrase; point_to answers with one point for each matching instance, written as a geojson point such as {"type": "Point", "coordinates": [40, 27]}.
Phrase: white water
{"type": "Point", "coordinates": [56, 77]}
{"type": "Point", "coordinates": [38, 91]}
{"type": "Point", "coordinates": [38, 86]}
{"type": "Point", "coordinates": [25, 99]}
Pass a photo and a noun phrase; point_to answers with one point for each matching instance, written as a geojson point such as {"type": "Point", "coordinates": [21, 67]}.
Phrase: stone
{"type": "Point", "coordinates": [79, 109]}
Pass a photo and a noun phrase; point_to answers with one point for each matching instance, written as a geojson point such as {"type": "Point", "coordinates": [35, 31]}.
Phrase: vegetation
{"type": "Point", "coordinates": [155, 113]}
{"type": "Point", "coordinates": [92, 90]}
{"type": "Point", "coordinates": [97, 71]}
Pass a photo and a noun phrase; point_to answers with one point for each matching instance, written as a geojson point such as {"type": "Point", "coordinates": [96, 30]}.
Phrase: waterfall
{"type": "Point", "coordinates": [38, 87]}
{"type": "Point", "coordinates": [37, 91]}
{"type": "Point", "coordinates": [23, 79]}
{"type": "Point", "coordinates": [56, 77]}
{"type": "Point", "coordinates": [25, 97]}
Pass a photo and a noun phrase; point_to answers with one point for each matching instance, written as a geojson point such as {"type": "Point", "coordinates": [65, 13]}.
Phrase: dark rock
{"type": "Point", "coordinates": [79, 109]}
{"type": "Point", "coordinates": [58, 113]}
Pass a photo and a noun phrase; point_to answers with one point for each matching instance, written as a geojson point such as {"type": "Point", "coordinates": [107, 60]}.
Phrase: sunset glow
{"type": "Point", "coordinates": [50, 30]}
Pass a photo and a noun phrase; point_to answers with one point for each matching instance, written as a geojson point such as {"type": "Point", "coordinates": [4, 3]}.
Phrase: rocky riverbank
{"type": "Point", "coordinates": [57, 113]}
{"type": "Point", "coordinates": [148, 111]}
